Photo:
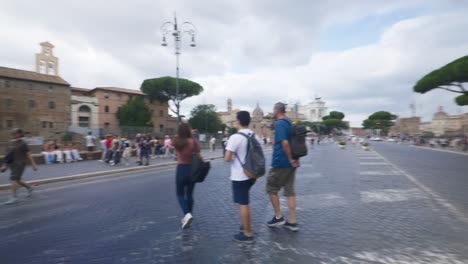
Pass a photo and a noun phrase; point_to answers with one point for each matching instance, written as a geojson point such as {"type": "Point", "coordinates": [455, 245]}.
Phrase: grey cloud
{"type": "Point", "coordinates": [249, 50]}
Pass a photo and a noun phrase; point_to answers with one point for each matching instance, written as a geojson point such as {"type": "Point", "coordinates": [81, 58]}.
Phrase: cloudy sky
{"type": "Point", "coordinates": [359, 56]}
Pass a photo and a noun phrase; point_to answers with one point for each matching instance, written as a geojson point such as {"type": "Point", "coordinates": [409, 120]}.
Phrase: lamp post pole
{"type": "Point", "coordinates": [177, 32]}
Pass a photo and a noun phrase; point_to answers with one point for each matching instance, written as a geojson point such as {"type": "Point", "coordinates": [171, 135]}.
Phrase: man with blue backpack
{"type": "Point", "coordinates": [245, 152]}
{"type": "Point", "coordinates": [289, 146]}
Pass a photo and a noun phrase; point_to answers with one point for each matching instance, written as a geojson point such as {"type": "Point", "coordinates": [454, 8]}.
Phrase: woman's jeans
{"type": "Point", "coordinates": [184, 187]}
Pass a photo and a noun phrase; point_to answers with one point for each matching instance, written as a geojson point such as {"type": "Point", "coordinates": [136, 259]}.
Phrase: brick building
{"type": "Point", "coordinates": [96, 110]}
{"type": "Point", "coordinates": [406, 126]}
{"type": "Point", "coordinates": [44, 104]}
{"type": "Point", "coordinates": [38, 103]}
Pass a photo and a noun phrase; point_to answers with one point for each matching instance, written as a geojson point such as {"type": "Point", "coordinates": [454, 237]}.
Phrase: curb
{"type": "Point", "coordinates": [441, 150]}
{"type": "Point", "coordinates": [100, 173]}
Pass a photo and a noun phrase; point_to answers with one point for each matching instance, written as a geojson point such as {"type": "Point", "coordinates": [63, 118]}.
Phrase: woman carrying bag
{"type": "Point", "coordinates": [186, 147]}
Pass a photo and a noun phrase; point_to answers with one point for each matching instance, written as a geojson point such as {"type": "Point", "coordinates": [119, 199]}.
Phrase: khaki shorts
{"type": "Point", "coordinates": [279, 178]}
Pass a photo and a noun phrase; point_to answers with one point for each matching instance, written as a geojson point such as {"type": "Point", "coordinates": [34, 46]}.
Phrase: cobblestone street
{"type": "Point", "coordinates": [354, 206]}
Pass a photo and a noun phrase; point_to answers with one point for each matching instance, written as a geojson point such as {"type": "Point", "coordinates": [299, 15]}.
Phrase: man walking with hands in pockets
{"type": "Point", "coordinates": [283, 170]}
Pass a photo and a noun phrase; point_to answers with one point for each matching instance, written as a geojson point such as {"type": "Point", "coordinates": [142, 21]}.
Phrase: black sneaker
{"type": "Point", "coordinates": [293, 227]}
{"type": "Point", "coordinates": [241, 238]}
{"type": "Point", "coordinates": [276, 222]}
{"type": "Point", "coordinates": [241, 228]}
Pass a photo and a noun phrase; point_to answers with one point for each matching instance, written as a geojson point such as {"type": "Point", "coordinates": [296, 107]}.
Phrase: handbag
{"type": "Point", "coordinates": [200, 168]}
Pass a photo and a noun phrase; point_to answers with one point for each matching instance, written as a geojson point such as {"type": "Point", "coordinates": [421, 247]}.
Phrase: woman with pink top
{"type": "Point", "coordinates": [168, 148]}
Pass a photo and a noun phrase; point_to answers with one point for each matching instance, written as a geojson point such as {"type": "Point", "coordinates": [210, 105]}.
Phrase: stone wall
{"type": "Point", "coordinates": [40, 109]}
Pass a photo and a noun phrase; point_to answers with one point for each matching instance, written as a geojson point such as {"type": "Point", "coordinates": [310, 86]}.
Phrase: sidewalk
{"type": "Point", "coordinates": [446, 149]}
{"type": "Point", "coordinates": [86, 166]}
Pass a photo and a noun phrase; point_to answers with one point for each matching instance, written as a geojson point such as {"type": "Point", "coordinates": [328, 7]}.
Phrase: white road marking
{"type": "Point", "coordinates": [379, 173]}
{"type": "Point", "coordinates": [439, 200]}
{"type": "Point", "coordinates": [373, 163]}
{"type": "Point", "coordinates": [391, 195]}
{"type": "Point", "coordinates": [321, 200]}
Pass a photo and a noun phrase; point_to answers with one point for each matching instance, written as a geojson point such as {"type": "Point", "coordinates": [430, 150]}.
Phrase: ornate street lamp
{"type": "Point", "coordinates": [177, 32]}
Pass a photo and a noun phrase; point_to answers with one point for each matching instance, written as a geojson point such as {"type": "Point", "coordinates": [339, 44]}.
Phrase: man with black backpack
{"type": "Point", "coordinates": [284, 164]}
{"type": "Point", "coordinates": [248, 163]}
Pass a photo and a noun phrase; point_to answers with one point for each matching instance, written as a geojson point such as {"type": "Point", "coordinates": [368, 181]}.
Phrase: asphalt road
{"type": "Point", "coordinates": [444, 173]}
{"type": "Point", "coordinates": [353, 207]}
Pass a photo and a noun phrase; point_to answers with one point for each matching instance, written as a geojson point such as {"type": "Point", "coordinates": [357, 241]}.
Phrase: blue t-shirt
{"type": "Point", "coordinates": [282, 132]}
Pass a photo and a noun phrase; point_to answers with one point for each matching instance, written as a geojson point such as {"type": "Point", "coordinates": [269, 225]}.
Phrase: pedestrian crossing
{"type": "Point", "coordinates": [391, 195]}
{"type": "Point", "coordinates": [370, 164]}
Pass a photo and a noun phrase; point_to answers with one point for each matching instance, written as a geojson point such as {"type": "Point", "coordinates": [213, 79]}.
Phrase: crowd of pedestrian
{"type": "Point", "coordinates": [242, 151]}
{"type": "Point", "coordinates": [118, 150]}
{"type": "Point", "coordinates": [459, 143]}
{"type": "Point", "coordinates": [53, 152]}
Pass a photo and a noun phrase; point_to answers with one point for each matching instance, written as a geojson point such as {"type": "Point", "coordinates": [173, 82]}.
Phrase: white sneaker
{"type": "Point", "coordinates": [12, 200]}
{"type": "Point", "coordinates": [187, 221]}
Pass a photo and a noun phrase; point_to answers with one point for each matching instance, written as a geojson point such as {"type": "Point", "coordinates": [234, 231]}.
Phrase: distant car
{"type": "Point", "coordinates": [375, 139]}
{"type": "Point", "coordinates": [391, 140]}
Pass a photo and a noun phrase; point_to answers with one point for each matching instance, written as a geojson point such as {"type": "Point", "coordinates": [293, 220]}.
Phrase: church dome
{"type": "Point", "coordinates": [258, 111]}
{"type": "Point", "coordinates": [440, 114]}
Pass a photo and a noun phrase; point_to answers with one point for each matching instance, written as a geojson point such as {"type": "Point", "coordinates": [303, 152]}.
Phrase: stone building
{"type": "Point", "coordinates": [294, 114]}
{"type": "Point", "coordinates": [258, 124]}
{"type": "Point", "coordinates": [313, 111]}
{"type": "Point", "coordinates": [84, 112]}
{"type": "Point", "coordinates": [358, 131]}
{"type": "Point", "coordinates": [38, 103]}
{"type": "Point", "coordinates": [465, 124]}
{"type": "Point", "coordinates": [229, 117]}
{"type": "Point", "coordinates": [96, 109]}
{"type": "Point", "coordinates": [443, 124]}
{"type": "Point", "coordinates": [46, 62]}
{"type": "Point", "coordinates": [406, 126]}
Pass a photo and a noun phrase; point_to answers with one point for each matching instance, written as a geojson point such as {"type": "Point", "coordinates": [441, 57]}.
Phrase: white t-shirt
{"type": "Point", "coordinates": [237, 144]}
{"type": "Point", "coordinates": [213, 140]}
{"type": "Point", "coordinates": [90, 140]}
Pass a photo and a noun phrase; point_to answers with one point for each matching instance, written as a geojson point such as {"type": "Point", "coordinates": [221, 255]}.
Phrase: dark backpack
{"type": "Point", "coordinates": [254, 166]}
{"type": "Point", "coordinates": [297, 140]}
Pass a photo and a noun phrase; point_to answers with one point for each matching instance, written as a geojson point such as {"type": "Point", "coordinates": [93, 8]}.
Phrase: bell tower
{"type": "Point", "coordinates": [229, 105]}
{"type": "Point", "coordinates": [46, 62]}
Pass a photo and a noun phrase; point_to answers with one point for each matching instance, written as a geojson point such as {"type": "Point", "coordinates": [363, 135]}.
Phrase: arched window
{"type": "Point", "coordinates": [84, 109]}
